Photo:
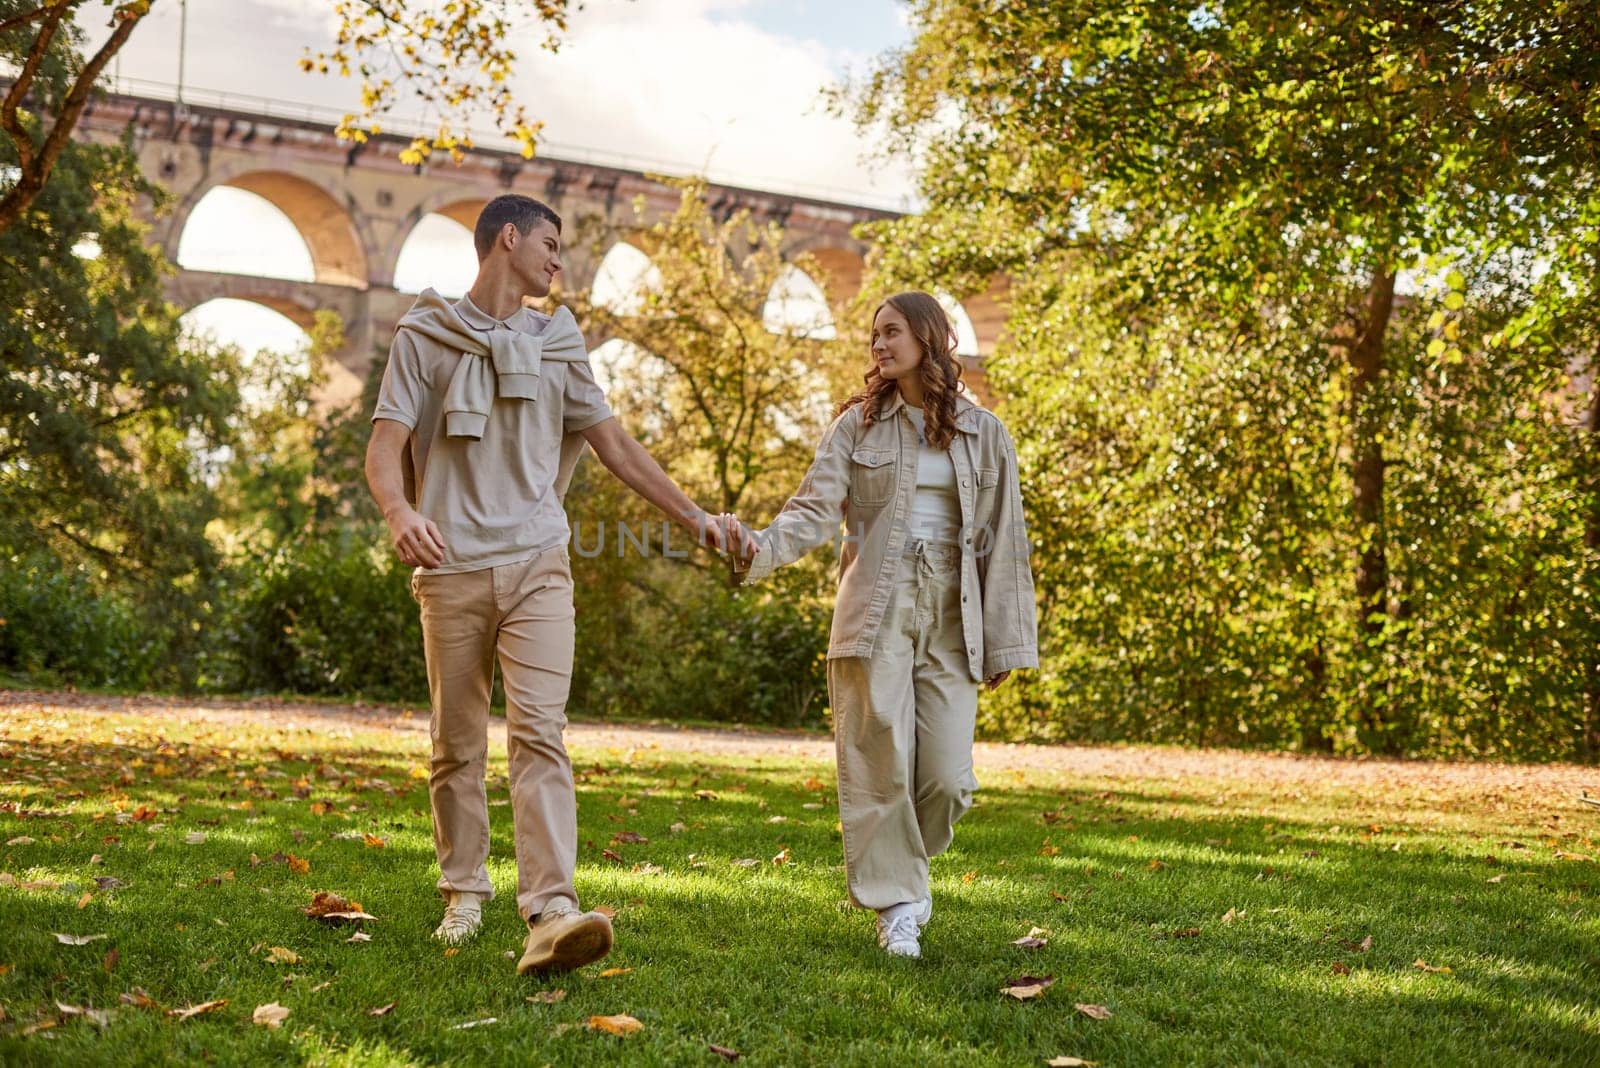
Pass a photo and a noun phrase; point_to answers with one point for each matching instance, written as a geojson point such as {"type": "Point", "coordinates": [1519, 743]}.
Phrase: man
{"type": "Point", "coordinates": [484, 409]}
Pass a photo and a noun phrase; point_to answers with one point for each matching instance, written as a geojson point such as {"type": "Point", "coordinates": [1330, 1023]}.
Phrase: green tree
{"type": "Point", "coordinates": [1297, 402]}
{"type": "Point", "coordinates": [733, 410]}
{"type": "Point", "coordinates": [105, 410]}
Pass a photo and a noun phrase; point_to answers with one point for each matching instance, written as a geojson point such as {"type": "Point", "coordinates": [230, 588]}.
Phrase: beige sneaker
{"type": "Point", "coordinates": [463, 915]}
{"type": "Point", "coordinates": [563, 940]}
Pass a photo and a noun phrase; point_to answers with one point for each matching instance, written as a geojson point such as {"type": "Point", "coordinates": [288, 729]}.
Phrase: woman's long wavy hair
{"type": "Point", "coordinates": [940, 371]}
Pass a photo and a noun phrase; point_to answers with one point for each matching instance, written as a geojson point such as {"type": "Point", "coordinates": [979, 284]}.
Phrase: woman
{"type": "Point", "coordinates": [935, 599]}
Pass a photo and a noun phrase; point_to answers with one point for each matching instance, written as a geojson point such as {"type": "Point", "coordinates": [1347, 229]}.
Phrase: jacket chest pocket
{"type": "Point", "coordinates": [987, 481]}
{"type": "Point", "coordinates": [872, 477]}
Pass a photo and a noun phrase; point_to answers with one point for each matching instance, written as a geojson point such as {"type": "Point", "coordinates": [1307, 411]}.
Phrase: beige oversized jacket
{"type": "Point", "coordinates": [869, 476]}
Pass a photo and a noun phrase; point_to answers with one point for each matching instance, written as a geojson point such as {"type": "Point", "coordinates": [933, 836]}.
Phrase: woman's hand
{"type": "Point", "coordinates": [995, 680]}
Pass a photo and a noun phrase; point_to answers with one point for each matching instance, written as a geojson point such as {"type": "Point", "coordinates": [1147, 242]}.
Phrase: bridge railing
{"type": "Point", "coordinates": [321, 115]}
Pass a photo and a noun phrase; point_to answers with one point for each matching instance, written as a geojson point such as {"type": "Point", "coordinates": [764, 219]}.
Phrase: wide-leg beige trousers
{"type": "Point", "coordinates": [903, 723]}
{"type": "Point", "coordinates": [522, 614]}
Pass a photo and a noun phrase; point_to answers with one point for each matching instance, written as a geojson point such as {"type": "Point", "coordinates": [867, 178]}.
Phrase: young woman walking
{"type": "Point", "coordinates": [935, 599]}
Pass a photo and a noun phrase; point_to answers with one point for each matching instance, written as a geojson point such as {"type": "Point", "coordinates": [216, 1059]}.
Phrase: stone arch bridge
{"type": "Point", "coordinates": [355, 206]}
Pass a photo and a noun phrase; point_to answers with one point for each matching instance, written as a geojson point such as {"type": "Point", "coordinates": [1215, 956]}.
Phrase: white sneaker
{"type": "Point", "coordinates": [900, 927]}
{"type": "Point", "coordinates": [463, 915]}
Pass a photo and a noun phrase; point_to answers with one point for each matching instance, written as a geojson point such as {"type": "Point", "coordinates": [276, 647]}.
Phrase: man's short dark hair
{"type": "Point", "coordinates": [523, 212]}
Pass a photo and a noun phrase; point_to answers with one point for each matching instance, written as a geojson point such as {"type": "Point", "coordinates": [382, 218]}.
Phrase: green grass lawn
{"type": "Point", "coordinates": [1219, 920]}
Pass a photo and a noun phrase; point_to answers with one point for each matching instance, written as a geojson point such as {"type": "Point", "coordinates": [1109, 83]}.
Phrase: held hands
{"type": "Point", "coordinates": [995, 680]}
{"type": "Point", "coordinates": [724, 533]}
{"type": "Point", "coordinates": [415, 538]}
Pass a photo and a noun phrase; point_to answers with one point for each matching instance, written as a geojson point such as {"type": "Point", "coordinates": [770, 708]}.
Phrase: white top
{"type": "Point", "coordinates": [936, 509]}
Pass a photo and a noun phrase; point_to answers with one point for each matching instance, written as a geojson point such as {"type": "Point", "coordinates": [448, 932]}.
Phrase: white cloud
{"type": "Point", "coordinates": [681, 85]}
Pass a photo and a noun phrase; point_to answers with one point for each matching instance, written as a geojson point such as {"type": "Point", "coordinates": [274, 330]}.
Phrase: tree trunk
{"type": "Point", "coordinates": [1589, 745]}
{"type": "Point", "coordinates": [1366, 356]}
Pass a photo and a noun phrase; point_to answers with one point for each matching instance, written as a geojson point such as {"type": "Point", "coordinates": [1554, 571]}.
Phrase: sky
{"type": "Point", "coordinates": [730, 88]}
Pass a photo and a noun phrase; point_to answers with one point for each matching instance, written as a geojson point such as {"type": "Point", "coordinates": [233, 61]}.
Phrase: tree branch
{"type": "Point", "coordinates": [37, 170]}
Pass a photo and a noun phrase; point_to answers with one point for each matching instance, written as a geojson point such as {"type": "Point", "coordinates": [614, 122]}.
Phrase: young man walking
{"type": "Point", "coordinates": [484, 410]}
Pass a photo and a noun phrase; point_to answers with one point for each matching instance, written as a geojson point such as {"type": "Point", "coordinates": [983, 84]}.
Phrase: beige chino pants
{"type": "Point", "coordinates": [522, 614]}
{"type": "Point", "coordinates": [903, 723]}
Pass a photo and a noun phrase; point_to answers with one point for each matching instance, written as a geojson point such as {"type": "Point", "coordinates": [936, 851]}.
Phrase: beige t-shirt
{"type": "Point", "coordinates": [493, 498]}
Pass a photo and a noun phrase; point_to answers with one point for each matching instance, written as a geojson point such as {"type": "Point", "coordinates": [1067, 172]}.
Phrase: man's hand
{"type": "Point", "coordinates": [742, 544]}
{"type": "Point", "coordinates": [415, 538]}
{"type": "Point", "coordinates": [995, 680]}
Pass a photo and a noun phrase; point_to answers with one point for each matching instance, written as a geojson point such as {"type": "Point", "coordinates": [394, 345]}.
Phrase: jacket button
{"type": "Point", "coordinates": [972, 652]}
{"type": "Point", "coordinates": [963, 483]}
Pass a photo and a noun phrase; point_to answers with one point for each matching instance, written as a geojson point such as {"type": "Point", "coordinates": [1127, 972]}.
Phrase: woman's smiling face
{"type": "Point", "coordinates": [895, 349]}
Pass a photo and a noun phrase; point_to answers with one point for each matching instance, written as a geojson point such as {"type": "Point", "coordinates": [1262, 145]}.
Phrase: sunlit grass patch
{"type": "Point", "coordinates": [1217, 921]}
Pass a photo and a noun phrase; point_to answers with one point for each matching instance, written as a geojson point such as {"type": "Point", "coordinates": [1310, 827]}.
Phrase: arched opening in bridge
{"type": "Point", "coordinates": [796, 307]}
{"type": "Point", "coordinates": [238, 232]}
{"type": "Point", "coordinates": [438, 253]}
{"type": "Point", "coordinates": [635, 383]}
{"type": "Point", "coordinates": [624, 279]}
{"type": "Point", "coordinates": [966, 336]}
{"type": "Point", "coordinates": [254, 328]}
{"type": "Point", "coordinates": [221, 232]}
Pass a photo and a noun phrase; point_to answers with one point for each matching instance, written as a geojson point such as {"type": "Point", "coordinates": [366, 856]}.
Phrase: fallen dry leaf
{"type": "Point", "coordinates": [1094, 1012]}
{"type": "Point", "coordinates": [746, 862]}
{"type": "Point", "coordinates": [197, 1010]}
{"type": "Point", "coordinates": [620, 1024]}
{"type": "Point", "coordinates": [476, 1023]}
{"type": "Point", "coordinates": [77, 940]}
{"type": "Point", "coordinates": [1341, 968]}
{"type": "Point", "coordinates": [611, 855]}
{"type": "Point", "coordinates": [195, 838]}
{"type": "Point", "coordinates": [1036, 938]}
{"type": "Point", "coordinates": [20, 839]}
{"type": "Point", "coordinates": [269, 1015]}
{"type": "Point", "coordinates": [647, 869]}
{"type": "Point", "coordinates": [1184, 932]}
{"type": "Point", "coordinates": [1358, 947]}
{"type": "Point", "coordinates": [298, 865]}
{"type": "Point", "coordinates": [109, 961]}
{"type": "Point", "coordinates": [138, 999]}
{"type": "Point", "coordinates": [282, 955]}
{"type": "Point", "coordinates": [88, 896]}
{"type": "Point", "coordinates": [606, 910]}
{"type": "Point", "coordinates": [333, 908]}
{"type": "Point", "coordinates": [108, 882]}
{"type": "Point", "coordinates": [1423, 965]}
{"type": "Point", "coordinates": [610, 972]}
{"type": "Point", "coordinates": [96, 1016]}
{"type": "Point", "coordinates": [546, 997]}
{"type": "Point", "coordinates": [723, 1051]}
{"type": "Point", "coordinates": [1563, 855]}
{"type": "Point", "coordinates": [1229, 916]}
{"type": "Point", "coordinates": [383, 1010]}
{"type": "Point", "coordinates": [1027, 987]}
{"type": "Point", "coordinates": [374, 841]}
{"type": "Point", "coordinates": [677, 828]}
{"type": "Point", "coordinates": [359, 936]}
{"type": "Point", "coordinates": [1497, 878]}
{"type": "Point", "coordinates": [781, 859]}
{"type": "Point", "coordinates": [452, 951]}
{"type": "Point", "coordinates": [701, 795]}
{"type": "Point", "coordinates": [629, 838]}
{"type": "Point", "coordinates": [813, 783]}
{"type": "Point", "coordinates": [1069, 1062]}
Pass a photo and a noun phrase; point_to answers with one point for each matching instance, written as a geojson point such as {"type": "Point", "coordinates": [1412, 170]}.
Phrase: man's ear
{"type": "Point", "coordinates": [509, 235]}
